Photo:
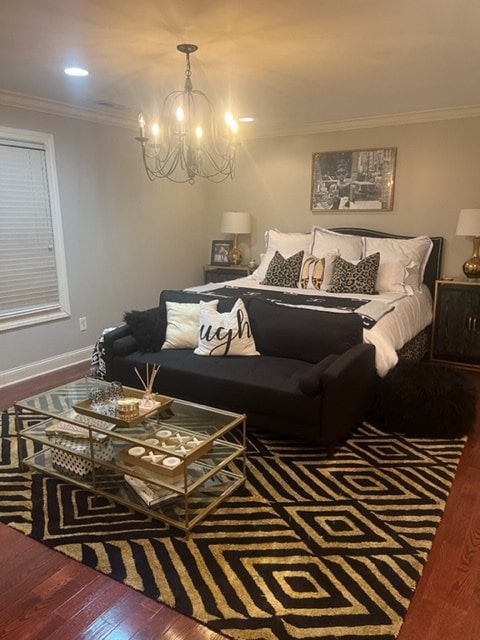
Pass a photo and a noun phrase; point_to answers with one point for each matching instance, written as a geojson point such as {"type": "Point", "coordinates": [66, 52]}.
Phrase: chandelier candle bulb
{"type": "Point", "coordinates": [141, 124]}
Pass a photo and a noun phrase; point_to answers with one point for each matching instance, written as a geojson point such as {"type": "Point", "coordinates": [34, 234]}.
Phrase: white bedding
{"type": "Point", "coordinates": [410, 315]}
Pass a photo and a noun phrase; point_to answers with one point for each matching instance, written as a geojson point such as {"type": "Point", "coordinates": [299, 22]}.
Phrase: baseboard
{"type": "Point", "coordinates": [33, 369]}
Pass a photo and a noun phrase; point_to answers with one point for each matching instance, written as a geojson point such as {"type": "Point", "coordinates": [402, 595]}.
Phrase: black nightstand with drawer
{"type": "Point", "coordinates": [217, 273]}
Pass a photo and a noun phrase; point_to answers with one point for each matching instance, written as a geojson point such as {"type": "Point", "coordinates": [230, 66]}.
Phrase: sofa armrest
{"type": "Point", "coordinates": [109, 340]}
{"type": "Point", "coordinates": [348, 386]}
{"type": "Point", "coordinates": [310, 382]}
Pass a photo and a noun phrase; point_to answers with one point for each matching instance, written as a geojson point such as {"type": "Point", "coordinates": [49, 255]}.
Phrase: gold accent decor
{"type": "Point", "coordinates": [471, 268]}
{"type": "Point", "coordinates": [235, 255]}
{"type": "Point", "coordinates": [85, 407]}
{"type": "Point", "coordinates": [469, 225]}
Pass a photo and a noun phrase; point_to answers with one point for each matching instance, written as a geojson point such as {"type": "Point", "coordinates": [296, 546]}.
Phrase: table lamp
{"type": "Point", "coordinates": [235, 222]}
{"type": "Point", "coordinates": [469, 225]}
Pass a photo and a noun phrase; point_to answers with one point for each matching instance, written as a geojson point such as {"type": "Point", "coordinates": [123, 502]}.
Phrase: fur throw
{"type": "Point", "coordinates": [423, 399]}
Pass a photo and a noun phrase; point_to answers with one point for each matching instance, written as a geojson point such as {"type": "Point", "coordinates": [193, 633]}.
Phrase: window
{"type": "Point", "coordinates": [33, 280]}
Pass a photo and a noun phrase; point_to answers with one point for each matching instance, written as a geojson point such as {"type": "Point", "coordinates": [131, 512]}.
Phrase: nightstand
{"type": "Point", "coordinates": [217, 273]}
{"type": "Point", "coordinates": [456, 323]}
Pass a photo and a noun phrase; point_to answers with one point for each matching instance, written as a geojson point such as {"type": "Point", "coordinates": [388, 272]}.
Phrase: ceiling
{"type": "Point", "coordinates": [290, 65]}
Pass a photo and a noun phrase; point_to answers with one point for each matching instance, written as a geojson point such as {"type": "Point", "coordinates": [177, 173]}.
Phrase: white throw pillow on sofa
{"type": "Point", "coordinates": [225, 334]}
{"type": "Point", "coordinates": [183, 321]}
{"type": "Point", "coordinates": [324, 241]}
{"type": "Point", "coordinates": [287, 244]}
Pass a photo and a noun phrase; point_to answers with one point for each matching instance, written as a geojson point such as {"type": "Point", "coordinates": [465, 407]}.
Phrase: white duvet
{"type": "Point", "coordinates": [411, 314]}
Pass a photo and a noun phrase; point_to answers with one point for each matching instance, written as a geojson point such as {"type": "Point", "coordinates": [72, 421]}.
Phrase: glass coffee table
{"type": "Point", "coordinates": [175, 462]}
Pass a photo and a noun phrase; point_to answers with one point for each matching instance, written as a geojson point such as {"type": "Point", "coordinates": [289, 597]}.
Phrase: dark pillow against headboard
{"type": "Point", "coordinates": [433, 268]}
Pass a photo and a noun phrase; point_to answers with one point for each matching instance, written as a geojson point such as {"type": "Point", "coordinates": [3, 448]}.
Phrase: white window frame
{"type": "Point", "coordinates": [61, 307]}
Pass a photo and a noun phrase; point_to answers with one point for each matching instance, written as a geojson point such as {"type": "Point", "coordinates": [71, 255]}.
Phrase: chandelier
{"type": "Point", "coordinates": [189, 142]}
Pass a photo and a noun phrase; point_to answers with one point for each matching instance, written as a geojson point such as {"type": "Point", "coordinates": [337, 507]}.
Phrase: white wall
{"type": "Point", "coordinates": [127, 238]}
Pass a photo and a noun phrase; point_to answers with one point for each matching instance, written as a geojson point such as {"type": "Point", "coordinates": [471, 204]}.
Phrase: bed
{"type": "Point", "coordinates": [387, 279]}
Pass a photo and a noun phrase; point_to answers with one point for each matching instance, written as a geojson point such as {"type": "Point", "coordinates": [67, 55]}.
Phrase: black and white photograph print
{"type": "Point", "coordinates": [360, 180]}
{"type": "Point", "coordinates": [220, 250]}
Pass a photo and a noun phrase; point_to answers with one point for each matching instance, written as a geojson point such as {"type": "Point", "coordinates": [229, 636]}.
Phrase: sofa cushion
{"type": "Point", "coordinates": [147, 327]}
{"type": "Point", "coordinates": [225, 334]}
{"type": "Point", "coordinates": [303, 334]}
{"type": "Point", "coordinates": [262, 386]}
{"type": "Point", "coordinates": [183, 323]}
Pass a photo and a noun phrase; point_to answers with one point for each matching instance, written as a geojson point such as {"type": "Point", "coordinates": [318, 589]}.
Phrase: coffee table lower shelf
{"type": "Point", "coordinates": [185, 511]}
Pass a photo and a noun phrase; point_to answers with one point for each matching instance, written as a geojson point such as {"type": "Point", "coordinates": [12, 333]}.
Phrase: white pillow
{"type": "Point", "coordinates": [183, 321]}
{"type": "Point", "coordinates": [317, 272]}
{"type": "Point", "coordinates": [225, 334]}
{"type": "Point", "coordinates": [285, 243]}
{"type": "Point", "coordinates": [325, 241]}
{"type": "Point", "coordinates": [402, 262]}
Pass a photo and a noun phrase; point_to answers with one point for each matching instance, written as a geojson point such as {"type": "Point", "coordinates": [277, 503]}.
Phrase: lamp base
{"type": "Point", "coordinates": [471, 268]}
{"type": "Point", "coordinates": [235, 256]}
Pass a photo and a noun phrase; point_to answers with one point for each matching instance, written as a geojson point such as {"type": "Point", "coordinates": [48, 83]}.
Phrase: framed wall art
{"type": "Point", "coordinates": [359, 180]}
{"type": "Point", "coordinates": [220, 250]}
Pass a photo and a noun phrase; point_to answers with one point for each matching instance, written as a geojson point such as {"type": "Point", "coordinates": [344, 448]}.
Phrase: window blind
{"type": "Point", "coordinates": [29, 278]}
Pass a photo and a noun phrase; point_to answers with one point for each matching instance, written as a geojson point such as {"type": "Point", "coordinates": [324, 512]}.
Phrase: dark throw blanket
{"type": "Point", "coordinates": [369, 311]}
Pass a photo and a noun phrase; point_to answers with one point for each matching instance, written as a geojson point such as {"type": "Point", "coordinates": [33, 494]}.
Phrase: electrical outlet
{"type": "Point", "coordinates": [83, 323]}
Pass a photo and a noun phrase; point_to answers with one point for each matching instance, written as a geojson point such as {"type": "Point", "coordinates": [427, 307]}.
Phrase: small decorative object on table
{"type": "Point", "coordinates": [220, 251]}
{"type": "Point", "coordinates": [128, 408]}
{"type": "Point", "coordinates": [148, 401]}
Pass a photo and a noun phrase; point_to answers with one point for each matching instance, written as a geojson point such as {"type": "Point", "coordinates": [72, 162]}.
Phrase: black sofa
{"type": "Point", "coordinates": [314, 378]}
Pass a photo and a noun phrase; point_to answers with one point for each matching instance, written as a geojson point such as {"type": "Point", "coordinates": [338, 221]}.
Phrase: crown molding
{"type": "Point", "coordinates": [32, 103]}
{"type": "Point", "coordinates": [126, 121]}
{"type": "Point", "coordinates": [396, 119]}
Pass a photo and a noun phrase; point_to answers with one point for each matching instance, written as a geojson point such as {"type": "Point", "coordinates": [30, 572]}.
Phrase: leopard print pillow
{"type": "Point", "coordinates": [355, 278]}
{"type": "Point", "coordinates": [284, 272]}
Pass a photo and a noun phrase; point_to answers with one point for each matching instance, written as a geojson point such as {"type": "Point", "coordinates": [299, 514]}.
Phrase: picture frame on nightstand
{"type": "Point", "coordinates": [219, 252]}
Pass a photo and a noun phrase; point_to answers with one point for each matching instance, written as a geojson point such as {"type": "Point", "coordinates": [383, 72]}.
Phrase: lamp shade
{"type": "Point", "coordinates": [236, 222]}
{"type": "Point", "coordinates": [468, 222]}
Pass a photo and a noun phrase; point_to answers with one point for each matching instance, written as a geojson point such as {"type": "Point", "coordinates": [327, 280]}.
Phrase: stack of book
{"type": "Point", "coordinates": [150, 493]}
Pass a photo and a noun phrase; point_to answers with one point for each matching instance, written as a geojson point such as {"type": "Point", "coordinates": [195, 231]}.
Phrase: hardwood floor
{"type": "Point", "coordinates": [46, 596]}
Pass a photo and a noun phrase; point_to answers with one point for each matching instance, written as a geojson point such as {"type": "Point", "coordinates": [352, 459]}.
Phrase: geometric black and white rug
{"type": "Point", "coordinates": [311, 547]}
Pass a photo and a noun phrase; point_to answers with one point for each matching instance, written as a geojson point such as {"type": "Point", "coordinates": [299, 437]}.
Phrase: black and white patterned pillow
{"type": "Point", "coordinates": [284, 272]}
{"type": "Point", "coordinates": [225, 334]}
{"type": "Point", "coordinates": [355, 278]}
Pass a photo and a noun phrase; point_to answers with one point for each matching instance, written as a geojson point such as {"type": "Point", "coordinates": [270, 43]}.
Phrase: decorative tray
{"type": "Point", "coordinates": [85, 407]}
{"type": "Point", "coordinates": [182, 446]}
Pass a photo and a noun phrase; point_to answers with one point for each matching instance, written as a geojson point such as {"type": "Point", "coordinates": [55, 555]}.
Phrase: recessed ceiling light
{"type": "Point", "coordinates": [246, 119]}
{"type": "Point", "coordinates": [75, 71]}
